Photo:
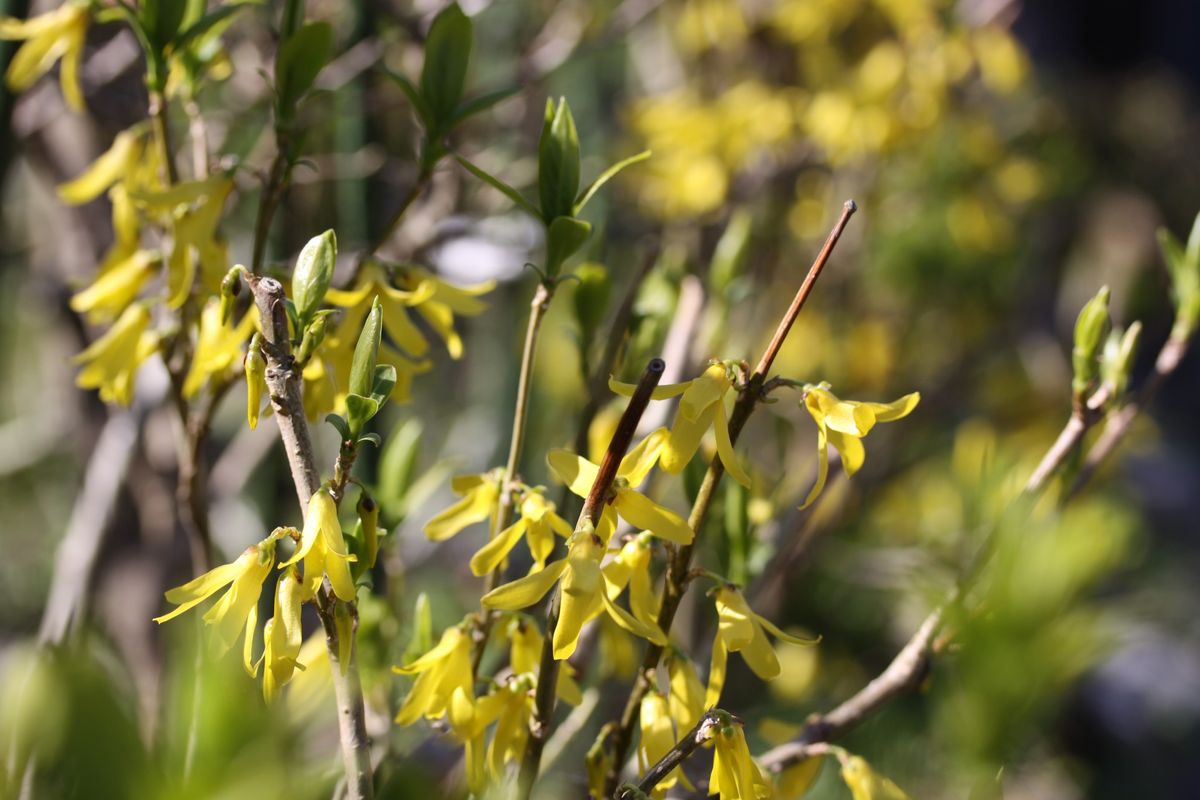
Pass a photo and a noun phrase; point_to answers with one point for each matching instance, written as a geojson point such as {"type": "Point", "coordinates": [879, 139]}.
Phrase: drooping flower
{"type": "Point", "coordinates": [741, 630]}
{"type": "Point", "coordinates": [582, 595]}
{"type": "Point", "coordinates": [734, 775]}
{"type": "Point", "coordinates": [701, 407]}
{"type": "Point", "coordinates": [57, 34]}
{"type": "Point", "coordinates": [110, 167]}
{"type": "Point", "coordinates": [111, 362]}
{"type": "Point", "coordinates": [634, 507]}
{"type": "Point", "coordinates": [282, 635]}
{"type": "Point", "coordinates": [440, 672]}
{"type": "Point", "coordinates": [116, 287]}
{"type": "Point", "coordinates": [323, 548]}
{"type": "Point", "coordinates": [469, 717]}
{"type": "Point", "coordinates": [657, 739]}
{"type": "Point", "coordinates": [538, 523]}
{"type": "Point", "coordinates": [525, 652]}
{"type": "Point", "coordinates": [631, 567]}
{"type": "Point", "coordinates": [237, 610]}
{"type": "Point", "coordinates": [843, 424]}
{"type": "Point", "coordinates": [686, 697]}
{"type": "Point", "coordinates": [515, 698]}
{"type": "Point", "coordinates": [218, 346]}
{"type": "Point", "coordinates": [374, 281]}
{"type": "Point", "coordinates": [866, 784]}
{"type": "Point", "coordinates": [445, 301]}
{"type": "Point", "coordinates": [481, 494]}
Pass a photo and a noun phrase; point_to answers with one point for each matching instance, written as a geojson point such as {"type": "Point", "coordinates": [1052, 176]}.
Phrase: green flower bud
{"type": "Point", "coordinates": [366, 353]}
{"type": "Point", "coordinates": [1119, 353]}
{"type": "Point", "coordinates": [256, 370]}
{"type": "Point", "coordinates": [368, 515]}
{"type": "Point", "coordinates": [313, 274]}
{"type": "Point", "coordinates": [1091, 328]}
{"type": "Point", "coordinates": [231, 287]}
{"type": "Point", "coordinates": [558, 162]}
{"type": "Point", "coordinates": [314, 334]}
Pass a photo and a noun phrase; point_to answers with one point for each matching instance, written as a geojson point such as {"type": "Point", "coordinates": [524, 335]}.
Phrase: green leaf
{"type": "Point", "coordinates": [731, 249]}
{"type": "Point", "coordinates": [563, 238]}
{"type": "Point", "coordinates": [384, 382]}
{"type": "Point", "coordinates": [398, 461]}
{"type": "Point", "coordinates": [372, 437]}
{"type": "Point", "coordinates": [591, 298]}
{"type": "Point", "coordinates": [359, 411]}
{"type": "Point", "coordinates": [414, 97]}
{"type": "Point", "coordinates": [313, 274]}
{"type": "Point", "coordinates": [161, 20]}
{"type": "Point", "coordinates": [558, 162]}
{"type": "Point", "coordinates": [366, 352]}
{"type": "Point", "coordinates": [503, 187]}
{"type": "Point", "coordinates": [607, 176]}
{"type": "Point", "coordinates": [301, 58]}
{"type": "Point", "coordinates": [340, 424]}
{"type": "Point", "coordinates": [447, 53]}
{"type": "Point", "coordinates": [211, 21]}
{"type": "Point", "coordinates": [422, 631]}
{"type": "Point", "coordinates": [482, 103]}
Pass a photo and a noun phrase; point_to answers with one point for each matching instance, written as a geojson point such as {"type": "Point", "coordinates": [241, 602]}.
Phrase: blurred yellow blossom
{"type": "Point", "coordinates": [57, 34]}
{"type": "Point", "coordinates": [111, 362]}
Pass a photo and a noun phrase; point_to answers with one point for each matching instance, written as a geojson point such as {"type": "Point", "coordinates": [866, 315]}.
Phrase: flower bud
{"type": "Point", "coordinates": [558, 162]}
{"type": "Point", "coordinates": [231, 287]}
{"type": "Point", "coordinates": [313, 274]}
{"type": "Point", "coordinates": [1119, 353]}
{"type": "Point", "coordinates": [256, 371]}
{"type": "Point", "coordinates": [368, 515]}
{"type": "Point", "coordinates": [314, 334]}
{"type": "Point", "coordinates": [366, 352]}
{"type": "Point", "coordinates": [1091, 328]}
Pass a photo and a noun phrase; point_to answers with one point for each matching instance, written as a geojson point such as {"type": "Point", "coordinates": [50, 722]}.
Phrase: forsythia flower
{"type": "Point", "coordinates": [634, 507]}
{"type": "Point", "coordinates": [469, 718]}
{"type": "Point", "coordinates": [865, 784]}
{"type": "Point", "coordinates": [740, 630]}
{"type": "Point", "coordinates": [481, 494]}
{"type": "Point", "coordinates": [282, 635]}
{"type": "Point", "coordinates": [116, 287]}
{"type": "Point", "coordinates": [657, 739]}
{"type": "Point", "coordinates": [582, 595]}
{"type": "Point", "coordinates": [112, 166]}
{"type": "Point", "coordinates": [218, 346]}
{"type": "Point", "coordinates": [110, 362]}
{"type": "Point", "coordinates": [734, 775]}
{"type": "Point", "coordinates": [631, 568]}
{"type": "Point", "coordinates": [538, 524]}
{"type": "Point", "coordinates": [445, 301]}
{"type": "Point", "coordinates": [686, 698]}
{"type": "Point", "coordinates": [525, 653]}
{"type": "Point", "coordinates": [512, 724]}
{"type": "Point", "coordinates": [323, 548]}
{"type": "Point", "coordinates": [440, 672]}
{"type": "Point", "coordinates": [374, 282]}
{"type": "Point", "coordinates": [57, 34]}
{"type": "Point", "coordinates": [701, 407]}
{"type": "Point", "coordinates": [843, 424]}
{"type": "Point", "coordinates": [238, 607]}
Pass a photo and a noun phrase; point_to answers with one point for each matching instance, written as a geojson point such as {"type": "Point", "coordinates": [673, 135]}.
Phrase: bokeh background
{"type": "Point", "coordinates": [1007, 157]}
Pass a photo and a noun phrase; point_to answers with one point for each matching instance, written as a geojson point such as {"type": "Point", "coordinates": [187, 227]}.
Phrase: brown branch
{"type": "Point", "coordinates": [679, 566]}
{"type": "Point", "coordinates": [589, 518]}
{"type": "Point", "coordinates": [691, 741]}
{"type": "Point", "coordinates": [283, 383]}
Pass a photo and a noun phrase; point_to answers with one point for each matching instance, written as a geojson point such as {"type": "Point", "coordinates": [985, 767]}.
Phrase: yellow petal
{"type": "Point", "coordinates": [725, 448]}
{"type": "Point", "coordinates": [441, 319]}
{"type": "Point", "coordinates": [642, 457]}
{"type": "Point", "coordinates": [822, 465]}
{"type": "Point", "coordinates": [478, 505]}
{"type": "Point", "coordinates": [320, 507]}
{"type": "Point", "coordinates": [642, 512]}
{"type": "Point", "coordinates": [716, 673]}
{"type": "Point", "coordinates": [865, 784]}
{"type": "Point", "coordinates": [113, 291]}
{"type": "Point", "coordinates": [525, 591]}
{"type": "Point", "coordinates": [575, 471]}
{"type": "Point", "coordinates": [34, 59]}
{"type": "Point", "coordinates": [419, 698]}
{"type": "Point", "coordinates": [248, 662]}
{"type": "Point", "coordinates": [704, 392]}
{"type": "Point", "coordinates": [68, 70]}
{"type": "Point", "coordinates": [735, 620]}
{"type": "Point", "coordinates": [684, 439]}
{"type": "Point", "coordinates": [451, 638]}
{"type": "Point", "coordinates": [199, 589]}
{"type": "Point", "coordinates": [492, 554]}
{"type": "Point", "coordinates": [760, 656]}
{"type": "Point", "coordinates": [686, 700]}
{"type": "Point", "coordinates": [575, 610]}
{"type": "Point", "coordinates": [398, 325]}
{"type": "Point", "coordinates": [851, 450]}
{"type": "Point", "coordinates": [853, 419]}
{"type": "Point", "coordinates": [780, 634]}
{"type": "Point", "coordinates": [103, 172]}
{"type": "Point", "coordinates": [897, 409]}
{"type": "Point", "coordinates": [228, 617]}
{"type": "Point", "coordinates": [663, 392]}
{"type": "Point", "coordinates": [637, 627]}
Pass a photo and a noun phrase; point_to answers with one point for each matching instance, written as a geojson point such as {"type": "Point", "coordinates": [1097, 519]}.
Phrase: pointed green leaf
{"type": "Point", "coordinates": [398, 461]}
{"type": "Point", "coordinates": [301, 58]}
{"type": "Point", "coordinates": [210, 22]}
{"type": "Point", "coordinates": [558, 162]}
{"type": "Point", "coordinates": [447, 53]}
{"type": "Point", "coordinates": [482, 103]}
{"type": "Point", "coordinates": [366, 352]}
{"type": "Point", "coordinates": [385, 381]}
{"type": "Point", "coordinates": [373, 438]}
{"type": "Point", "coordinates": [340, 424]}
{"type": "Point", "coordinates": [359, 411]}
{"type": "Point", "coordinates": [414, 97]}
{"type": "Point", "coordinates": [500, 185]}
{"type": "Point", "coordinates": [607, 176]}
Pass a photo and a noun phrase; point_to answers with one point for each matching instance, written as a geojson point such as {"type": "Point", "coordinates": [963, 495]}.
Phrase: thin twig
{"type": "Point", "coordinates": [589, 518]}
{"type": "Point", "coordinates": [678, 567]}
{"type": "Point", "coordinates": [683, 749]}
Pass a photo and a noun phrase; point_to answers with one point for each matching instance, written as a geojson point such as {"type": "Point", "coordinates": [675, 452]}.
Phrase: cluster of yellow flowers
{"type": "Point", "coordinates": [910, 63]}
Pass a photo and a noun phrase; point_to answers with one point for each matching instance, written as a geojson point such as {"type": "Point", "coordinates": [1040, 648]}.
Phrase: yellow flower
{"type": "Point", "coordinates": [701, 407]}
{"type": "Point", "coordinates": [657, 739]}
{"type": "Point", "coordinates": [686, 698]}
{"type": "Point", "coordinates": [111, 362]}
{"type": "Point", "coordinates": [538, 524]}
{"type": "Point", "coordinates": [740, 630]}
{"type": "Point", "coordinates": [634, 507]}
{"type": "Point", "coordinates": [525, 653]}
{"type": "Point", "coordinates": [481, 494]}
{"type": "Point", "coordinates": [57, 34]}
{"type": "Point", "coordinates": [115, 287]}
{"type": "Point", "coordinates": [843, 424]}
{"type": "Point", "coordinates": [282, 635]}
{"type": "Point", "coordinates": [469, 718]}
{"type": "Point", "coordinates": [631, 568]}
{"type": "Point", "coordinates": [734, 775]}
{"type": "Point", "coordinates": [441, 671]}
{"type": "Point", "coordinates": [320, 395]}
{"type": "Point", "coordinates": [582, 595]}
{"type": "Point", "coordinates": [323, 548]}
{"type": "Point", "coordinates": [865, 784]}
{"type": "Point", "coordinates": [111, 166]}
{"type": "Point", "coordinates": [238, 607]}
{"type": "Point", "coordinates": [445, 301]}
{"type": "Point", "coordinates": [515, 698]}
{"type": "Point", "coordinates": [218, 346]}
{"type": "Point", "coordinates": [374, 282]}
